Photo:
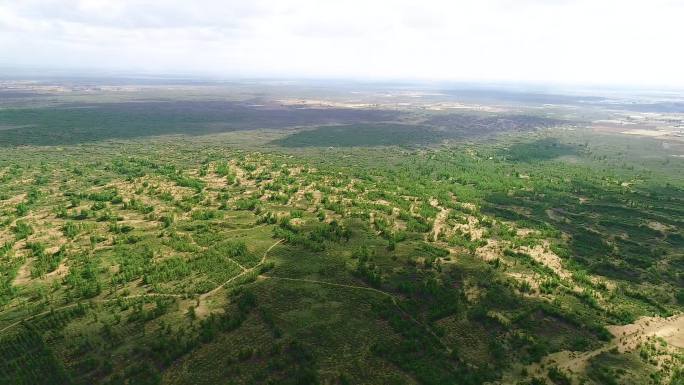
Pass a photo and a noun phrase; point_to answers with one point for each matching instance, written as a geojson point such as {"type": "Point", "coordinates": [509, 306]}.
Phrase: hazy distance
{"type": "Point", "coordinates": [606, 42]}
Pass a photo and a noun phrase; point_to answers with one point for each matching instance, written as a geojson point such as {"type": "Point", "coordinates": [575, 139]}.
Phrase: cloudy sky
{"type": "Point", "coordinates": [624, 42]}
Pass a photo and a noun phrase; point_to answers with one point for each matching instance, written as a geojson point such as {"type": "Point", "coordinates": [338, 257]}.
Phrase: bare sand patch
{"type": "Point", "coordinates": [543, 254]}
{"type": "Point", "coordinates": [5, 237]}
{"type": "Point", "coordinates": [471, 227]}
{"type": "Point", "coordinates": [627, 338]}
{"type": "Point", "coordinates": [657, 226]}
{"type": "Point", "coordinates": [23, 274]}
{"type": "Point", "coordinates": [13, 201]}
{"type": "Point", "coordinates": [553, 214]}
{"type": "Point", "coordinates": [439, 223]}
{"type": "Point", "coordinates": [213, 181]}
{"type": "Point", "coordinates": [489, 252]}
{"type": "Point", "coordinates": [469, 206]}
{"type": "Point", "coordinates": [670, 329]}
{"type": "Point", "coordinates": [643, 132]}
{"type": "Point", "coordinates": [525, 232]}
{"type": "Point", "coordinates": [240, 174]}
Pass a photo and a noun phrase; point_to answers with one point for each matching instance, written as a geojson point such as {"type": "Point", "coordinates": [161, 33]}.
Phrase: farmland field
{"type": "Point", "coordinates": [254, 234]}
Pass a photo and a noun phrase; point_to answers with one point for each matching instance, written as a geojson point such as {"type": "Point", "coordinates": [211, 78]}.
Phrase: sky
{"type": "Point", "coordinates": [602, 42]}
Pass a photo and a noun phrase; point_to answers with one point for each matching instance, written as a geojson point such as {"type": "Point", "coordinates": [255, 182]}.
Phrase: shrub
{"type": "Point", "coordinates": [22, 230]}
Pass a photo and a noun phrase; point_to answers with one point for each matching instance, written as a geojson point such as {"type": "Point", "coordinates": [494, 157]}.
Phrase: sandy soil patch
{"type": "Point", "coordinates": [60, 272]}
{"type": "Point", "coordinates": [471, 227]}
{"type": "Point", "coordinates": [13, 201]}
{"type": "Point", "coordinates": [491, 251]}
{"type": "Point", "coordinates": [294, 171]}
{"type": "Point", "coordinates": [643, 132]}
{"type": "Point", "coordinates": [555, 215]}
{"type": "Point", "coordinates": [398, 225]}
{"type": "Point", "coordinates": [300, 195]}
{"type": "Point", "coordinates": [50, 235]}
{"type": "Point", "coordinates": [5, 237]}
{"type": "Point", "coordinates": [469, 206]}
{"type": "Point", "coordinates": [543, 254]}
{"type": "Point", "coordinates": [526, 232]}
{"type": "Point", "coordinates": [627, 338]}
{"type": "Point", "coordinates": [439, 223]}
{"type": "Point", "coordinates": [381, 202]}
{"type": "Point", "coordinates": [23, 274]}
{"type": "Point", "coordinates": [657, 226]}
{"type": "Point", "coordinates": [206, 307]}
{"type": "Point", "coordinates": [670, 329]}
{"type": "Point", "coordinates": [316, 103]}
{"type": "Point", "coordinates": [240, 174]}
{"type": "Point", "coordinates": [213, 181]}
{"type": "Point", "coordinates": [317, 197]}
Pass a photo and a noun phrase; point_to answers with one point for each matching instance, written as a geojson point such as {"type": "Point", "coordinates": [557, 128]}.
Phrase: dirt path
{"type": "Point", "coordinates": [241, 266]}
{"type": "Point", "coordinates": [244, 271]}
{"type": "Point", "coordinates": [200, 297]}
{"type": "Point", "coordinates": [10, 326]}
{"type": "Point", "coordinates": [237, 263]}
{"type": "Point", "coordinates": [392, 297]}
{"type": "Point", "coordinates": [202, 307]}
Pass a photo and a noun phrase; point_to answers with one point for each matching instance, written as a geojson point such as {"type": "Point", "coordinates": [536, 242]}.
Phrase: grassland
{"type": "Point", "coordinates": [176, 245]}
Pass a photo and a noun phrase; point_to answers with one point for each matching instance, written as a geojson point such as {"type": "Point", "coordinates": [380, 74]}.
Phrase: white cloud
{"type": "Point", "coordinates": [599, 41]}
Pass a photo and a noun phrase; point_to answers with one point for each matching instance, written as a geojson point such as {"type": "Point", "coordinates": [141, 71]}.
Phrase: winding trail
{"type": "Point", "coordinates": [150, 295]}
{"type": "Point", "coordinates": [203, 296]}
{"type": "Point", "coordinates": [391, 296]}
{"type": "Point", "coordinates": [243, 268]}
{"type": "Point", "coordinates": [244, 271]}
{"type": "Point", "coordinates": [95, 301]}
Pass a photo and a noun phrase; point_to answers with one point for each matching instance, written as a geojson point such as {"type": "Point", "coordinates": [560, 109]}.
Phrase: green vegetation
{"type": "Point", "coordinates": [362, 135]}
{"type": "Point", "coordinates": [208, 260]}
